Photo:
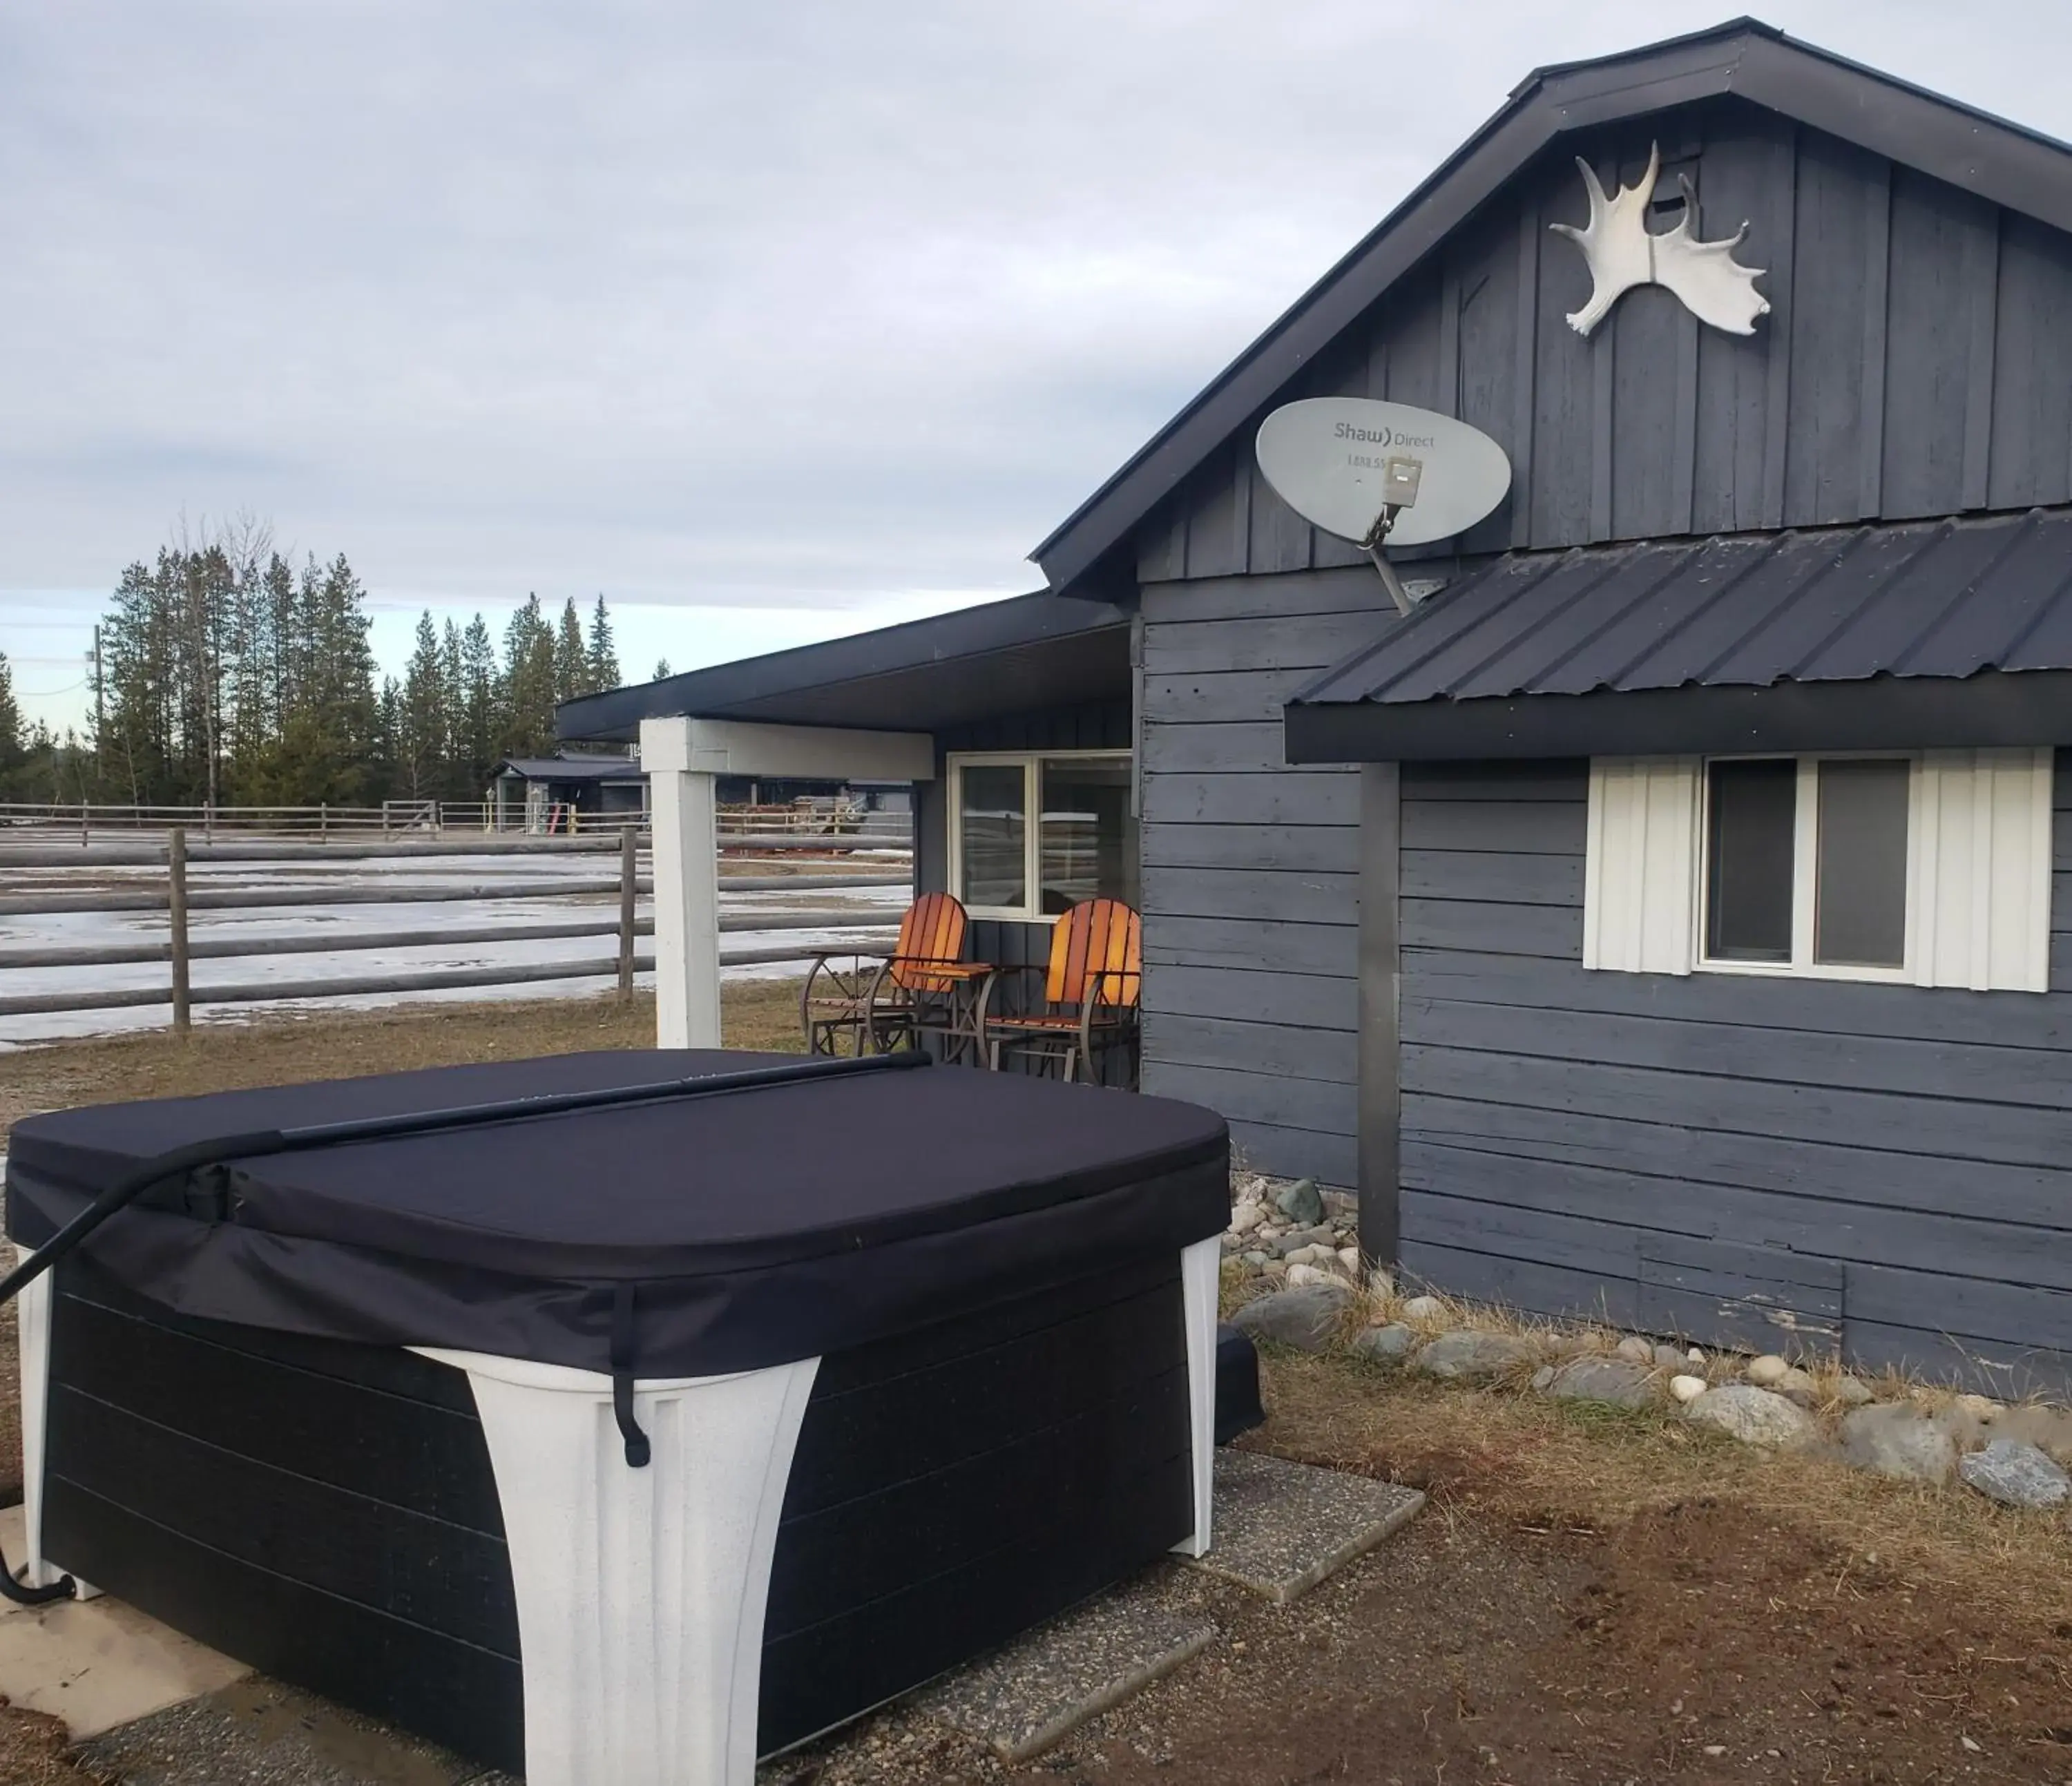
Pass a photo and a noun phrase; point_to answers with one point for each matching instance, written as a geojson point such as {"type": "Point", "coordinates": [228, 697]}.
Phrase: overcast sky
{"type": "Point", "coordinates": [769, 322]}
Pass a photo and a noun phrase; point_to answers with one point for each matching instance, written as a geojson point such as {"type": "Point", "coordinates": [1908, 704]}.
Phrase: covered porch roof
{"type": "Point", "coordinates": [1917, 635]}
{"type": "Point", "coordinates": [1027, 652]}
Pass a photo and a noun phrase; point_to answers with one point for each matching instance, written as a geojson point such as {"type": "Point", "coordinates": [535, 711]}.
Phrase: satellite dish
{"type": "Point", "coordinates": [1370, 472]}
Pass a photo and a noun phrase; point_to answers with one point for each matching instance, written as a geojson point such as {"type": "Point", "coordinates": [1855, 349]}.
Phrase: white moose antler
{"type": "Point", "coordinates": [1621, 254]}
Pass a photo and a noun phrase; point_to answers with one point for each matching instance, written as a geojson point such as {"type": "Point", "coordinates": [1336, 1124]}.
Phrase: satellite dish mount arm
{"type": "Point", "coordinates": [1377, 537]}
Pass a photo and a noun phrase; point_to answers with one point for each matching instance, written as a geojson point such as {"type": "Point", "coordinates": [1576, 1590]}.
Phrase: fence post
{"type": "Point", "coordinates": [628, 886]}
{"type": "Point", "coordinates": [323, 822]}
{"type": "Point", "coordinates": [176, 910]}
{"type": "Point", "coordinates": [82, 824]}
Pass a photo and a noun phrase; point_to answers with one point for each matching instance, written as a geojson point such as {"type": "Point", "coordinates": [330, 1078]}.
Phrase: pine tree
{"type": "Point", "coordinates": [419, 711]}
{"type": "Point", "coordinates": [661, 668]}
{"type": "Point", "coordinates": [571, 659]}
{"type": "Point", "coordinates": [603, 657]}
{"type": "Point", "coordinates": [481, 706]}
{"type": "Point", "coordinates": [527, 683]}
{"type": "Point", "coordinates": [13, 746]}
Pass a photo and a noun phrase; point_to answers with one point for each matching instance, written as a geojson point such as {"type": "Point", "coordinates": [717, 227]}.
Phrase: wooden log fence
{"type": "Point", "coordinates": [180, 949]}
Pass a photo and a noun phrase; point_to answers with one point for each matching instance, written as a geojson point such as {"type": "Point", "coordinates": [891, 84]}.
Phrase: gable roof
{"type": "Point", "coordinates": [2009, 164]}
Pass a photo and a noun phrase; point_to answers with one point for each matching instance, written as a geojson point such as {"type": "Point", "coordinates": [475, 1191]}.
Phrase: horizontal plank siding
{"type": "Point", "coordinates": [1731, 1157]}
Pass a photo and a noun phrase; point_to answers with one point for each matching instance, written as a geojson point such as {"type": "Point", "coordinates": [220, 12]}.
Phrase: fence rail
{"type": "Point", "coordinates": [804, 824]}
{"type": "Point", "coordinates": [179, 950]}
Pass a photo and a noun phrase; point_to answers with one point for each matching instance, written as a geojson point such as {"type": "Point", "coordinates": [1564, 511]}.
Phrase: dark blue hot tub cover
{"type": "Point", "coordinates": [756, 1227]}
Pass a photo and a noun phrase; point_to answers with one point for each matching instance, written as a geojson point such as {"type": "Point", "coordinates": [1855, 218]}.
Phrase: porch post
{"type": "Point", "coordinates": [1380, 1157]}
{"type": "Point", "coordinates": [686, 856]}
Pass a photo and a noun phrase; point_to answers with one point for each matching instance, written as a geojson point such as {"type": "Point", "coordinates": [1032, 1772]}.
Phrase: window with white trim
{"type": "Point", "coordinates": [1031, 834]}
{"type": "Point", "coordinates": [1931, 868]}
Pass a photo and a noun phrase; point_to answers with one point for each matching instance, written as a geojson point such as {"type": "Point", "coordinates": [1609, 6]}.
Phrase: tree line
{"type": "Point", "coordinates": [228, 676]}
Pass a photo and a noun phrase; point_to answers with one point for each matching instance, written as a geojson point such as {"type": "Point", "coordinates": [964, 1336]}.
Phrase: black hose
{"type": "Point", "coordinates": [195, 1154]}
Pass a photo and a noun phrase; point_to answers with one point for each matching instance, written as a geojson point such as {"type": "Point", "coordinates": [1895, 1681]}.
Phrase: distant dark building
{"type": "Point", "coordinates": [558, 794]}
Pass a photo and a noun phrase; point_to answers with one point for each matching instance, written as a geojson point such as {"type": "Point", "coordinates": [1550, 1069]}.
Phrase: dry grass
{"type": "Point", "coordinates": [1543, 1463]}
{"type": "Point", "coordinates": [285, 1050]}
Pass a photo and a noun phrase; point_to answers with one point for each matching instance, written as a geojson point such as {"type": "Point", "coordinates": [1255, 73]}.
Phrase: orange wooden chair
{"type": "Point", "coordinates": [879, 1002]}
{"type": "Point", "coordinates": [1091, 989]}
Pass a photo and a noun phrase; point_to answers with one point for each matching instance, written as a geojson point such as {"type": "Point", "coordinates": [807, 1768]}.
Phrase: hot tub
{"type": "Point", "coordinates": [623, 1444]}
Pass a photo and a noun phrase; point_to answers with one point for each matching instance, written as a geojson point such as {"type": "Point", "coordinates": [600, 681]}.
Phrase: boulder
{"type": "Point", "coordinates": [1766, 1371]}
{"type": "Point", "coordinates": [2048, 1429]}
{"type": "Point", "coordinates": [1305, 1317]}
{"type": "Point", "coordinates": [1668, 1358]}
{"type": "Point", "coordinates": [1425, 1309]}
{"type": "Point", "coordinates": [1389, 1344]}
{"type": "Point", "coordinates": [1622, 1383]}
{"type": "Point", "coordinates": [1300, 1202]}
{"type": "Point", "coordinates": [1636, 1350]}
{"type": "Point", "coordinates": [1474, 1357]}
{"type": "Point", "coordinates": [1896, 1440]}
{"type": "Point", "coordinates": [2016, 1475]}
{"type": "Point", "coordinates": [1800, 1387]}
{"type": "Point", "coordinates": [1687, 1388]}
{"type": "Point", "coordinates": [1755, 1416]}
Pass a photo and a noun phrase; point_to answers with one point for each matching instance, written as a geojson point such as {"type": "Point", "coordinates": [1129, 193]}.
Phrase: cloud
{"type": "Point", "coordinates": [811, 309]}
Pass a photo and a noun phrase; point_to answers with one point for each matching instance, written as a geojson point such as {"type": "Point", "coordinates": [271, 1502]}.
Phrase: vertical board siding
{"type": "Point", "coordinates": [1914, 360]}
{"type": "Point", "coordinates": [1565, 1132]}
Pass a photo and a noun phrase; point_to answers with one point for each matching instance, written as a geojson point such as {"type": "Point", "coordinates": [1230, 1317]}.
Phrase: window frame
{"type": "Point", "coordinates": [1805, 870]}
{"type": "Point", "coordinates": [1031, 764]}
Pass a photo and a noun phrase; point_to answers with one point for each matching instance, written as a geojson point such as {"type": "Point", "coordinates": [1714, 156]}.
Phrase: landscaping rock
{"type": "Point", "coordinates": [1979, 1407]}
{"type": "Point", "coordinates": [1233, 1243]}
{"type": "Point", "coordinates": [2048, 1429]}
{"type": "Point", "coordinates": [1299, 1276]}
{"type": "Point", "coordinates": [1474, 1357]}
{"type": "Point", "coordinates": [1294, 1240]}
{"type": "Point", "coordinates": [1542, 1377]}
{"type": "Point", "coordinates": [1767, 1370]}
{"type": "Point", "coordinates": [1853, 1392]}
{"type": "Point", "coordinates": [1300, 1202]}
{"type": "Point", "coordinates": [1255, 1259]}
{"type": "Point", "coordinates": [2016, 1475]}
{"type": "Point", "coordinates": [1305, 1316]}
{"type": "Point", "coordinates": [1245, 1217]}
{"type": "Point", "coordinates": [1688, 1388]}
{"type": "Point", "coordinates": [1755, 1416]}
{"type": "Point", "coordinates": [1636, 1350]}
{"type": "Point", "coordinates": [1389, 1344]}
{"type": "Point", "coordinates": [1668, 1358]}
{"type": "Point", "coordinates": [1622, 1383]}
{"type": "Point", "coordinates": [1800, 1387]}
{"type": "Point", "coordinates": [1425, 1309]}
{"type": "Point", "coordinates": [1348, 1257]}
{"type": "Point", "coordinates": [1897, 1441]}
{"type": "Point", "coordinates": [1694, 1356]}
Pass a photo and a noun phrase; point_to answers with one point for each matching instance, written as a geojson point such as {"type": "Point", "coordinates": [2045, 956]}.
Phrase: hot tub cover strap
{"type": "Point", "coordinates": [623, 1362]}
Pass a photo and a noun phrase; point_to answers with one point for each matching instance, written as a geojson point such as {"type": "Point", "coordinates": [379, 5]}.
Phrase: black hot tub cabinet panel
{"type": "Point", "coordinates": [327, 1512]}
{"type": "Point", "coordinates": [366, 1417]}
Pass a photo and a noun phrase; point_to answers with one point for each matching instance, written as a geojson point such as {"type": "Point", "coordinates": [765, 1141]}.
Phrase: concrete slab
{"type": "Point", "coordinates": [259, 1733]}
{"type": "Point", "coordinates": [1282, 1528]}
{"type": "Point", "coordinates": [97, 1663]}
{"type": "Point", "coordinates": [1031, 1695]}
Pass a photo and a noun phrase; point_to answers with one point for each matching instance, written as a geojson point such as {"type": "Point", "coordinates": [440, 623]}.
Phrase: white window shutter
{"type": "Point", "coordinates": [1641, 870]}
{"type": "Point", "coordinates": [1981, 907]}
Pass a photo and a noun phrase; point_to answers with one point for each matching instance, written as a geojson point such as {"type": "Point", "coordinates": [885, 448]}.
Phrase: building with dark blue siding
{"type": "Point", "coordinates": [1670, 916]}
